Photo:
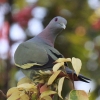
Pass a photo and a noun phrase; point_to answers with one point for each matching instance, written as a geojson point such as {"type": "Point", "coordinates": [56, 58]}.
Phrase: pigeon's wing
{"type": "Point", "coordinates": [29, 54]}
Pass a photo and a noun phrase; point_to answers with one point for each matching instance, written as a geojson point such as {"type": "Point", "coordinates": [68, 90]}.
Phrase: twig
{"type": "Point", "coordinates": [73, 79]}
{"type": "Point", "coordinates": [1, 92]}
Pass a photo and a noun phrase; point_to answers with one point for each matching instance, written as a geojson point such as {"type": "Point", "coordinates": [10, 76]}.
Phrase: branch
{"type": "Point", "coordinates": [1, 92]}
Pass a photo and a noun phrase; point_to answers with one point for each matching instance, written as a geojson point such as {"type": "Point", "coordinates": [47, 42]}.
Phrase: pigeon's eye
{"type": "Point", "coordinates": [56, 19]}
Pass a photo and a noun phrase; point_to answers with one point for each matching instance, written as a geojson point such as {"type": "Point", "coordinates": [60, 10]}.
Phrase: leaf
{"type": "Point", "coordinates": [45, 72]}
{"type": "Point", "coordinates": [24, 97]}
{"type": "Point", "coordinates": [53, 77]}
{"type": "Point", "coordinates": [24, 80]}
{"type": "Point", "coordinates": [76, 63]}
{"type": "Point", "coordinates": [57, 66]}
{"type": "Point", "coordinates": [48, 72]}
{"type": "Point", "coordinates": [14, 96]}
{"type": "Point", "coordinates": [27, 87]}
{"type": "Point", "coordinates": [28, 65]}
{"type": "Point", "coordinates": [47, 98]}
{"type": "Point", "coordinates": [60, 85]}
{"type": "Point", "coordinates": [78, 95]}
{"type": "Point", "coordinates": [43, 88]}
{"type": "Point", "coordinates": [47, 93]}
{"type": "Point", "coordinates": [34, 96]}
{"type": "Point", "coordinates": [63, 60]}
{"type": "Point", "coordinates": [42, 72]}
{"type": "Point", "coordinates": [11, 91]}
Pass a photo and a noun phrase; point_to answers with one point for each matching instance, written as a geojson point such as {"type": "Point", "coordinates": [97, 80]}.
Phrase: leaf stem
{"type": "Point", "coordinates": [73, 79]}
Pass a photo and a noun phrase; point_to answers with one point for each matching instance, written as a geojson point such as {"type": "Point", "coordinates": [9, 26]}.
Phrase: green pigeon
{"type": "Point", "coordinates": [39, 53]}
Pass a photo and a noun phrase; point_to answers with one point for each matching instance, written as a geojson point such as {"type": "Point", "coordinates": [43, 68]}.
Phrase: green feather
{"type": "Point", "coordinates": [28, 65]}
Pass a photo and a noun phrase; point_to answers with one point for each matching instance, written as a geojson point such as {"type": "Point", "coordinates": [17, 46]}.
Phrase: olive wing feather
{"type": "Point", "coordinates": [29, 54]}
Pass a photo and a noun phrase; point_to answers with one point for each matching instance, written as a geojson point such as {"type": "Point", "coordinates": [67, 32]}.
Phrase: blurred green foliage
{"type": "Point", "coordinates": [72, 41]}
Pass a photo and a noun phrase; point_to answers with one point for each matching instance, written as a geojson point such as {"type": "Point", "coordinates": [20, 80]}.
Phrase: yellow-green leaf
{"type": "Point", "coordinates": [45, 72]}
{"type": "Point", "coordinates": [47, 93]}
{"type": "Point", "coordinates": [26, 85]}
{"type": "Point", "coordinates": [14, 96]}
{"type": "Point", "coordinates": [48, 72]}
{"type": "Point", "coordinates": [34, 96]}
{"type": "Point", "coordinates": [76, 63]}
{"type": "Point", "coordinates": [53, 77]}
{"type": "Point", "coordinates": [28, 65]}
{"type": "Point", "coordinates": [12, 90]}
{"type": "Point", "coordinates": [57, 66]}
{"type": "Point", "coordinates": [24, 80]}
{"type": "Point", "coordinates": [24, 97]}
{"type": "Point", "coordinates": [60, 85]}
{"type": "Point", "coordinates": [78, 95]}
{"type": "Point", "coordinates": [63, 60]}
{"type": "Point", "coordinates": [47, 98]}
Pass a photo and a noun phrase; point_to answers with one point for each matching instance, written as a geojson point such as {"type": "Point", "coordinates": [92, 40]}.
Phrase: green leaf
{"type": "Point", "coordinates": [47, 98]}
{"type": "Point", "coordinates": [78, 95]}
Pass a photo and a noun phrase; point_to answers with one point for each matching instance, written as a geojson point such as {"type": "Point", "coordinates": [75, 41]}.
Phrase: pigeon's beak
{"type": "Point", "coordinates": [63, 25]}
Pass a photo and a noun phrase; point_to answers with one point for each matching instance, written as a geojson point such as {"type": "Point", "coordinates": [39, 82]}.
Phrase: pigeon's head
{"type": "Point", "coordinates": [55, 26]}
{"type": "Point", "coordinates": [57, 23]}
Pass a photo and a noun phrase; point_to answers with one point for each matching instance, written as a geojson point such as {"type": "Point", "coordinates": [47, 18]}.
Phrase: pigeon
{"type": "Point", "coordinates": [38, 53]}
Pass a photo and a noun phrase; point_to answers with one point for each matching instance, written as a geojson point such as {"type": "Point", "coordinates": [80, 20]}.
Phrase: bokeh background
{"type": "Point", "coordinates": [23, 19]}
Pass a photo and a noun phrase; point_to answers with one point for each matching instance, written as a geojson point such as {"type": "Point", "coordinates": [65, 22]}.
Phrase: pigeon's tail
{"type": "Point", "coordinates": [83, 78]}
{"type": "Point", "coordinates": [72, 75]}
